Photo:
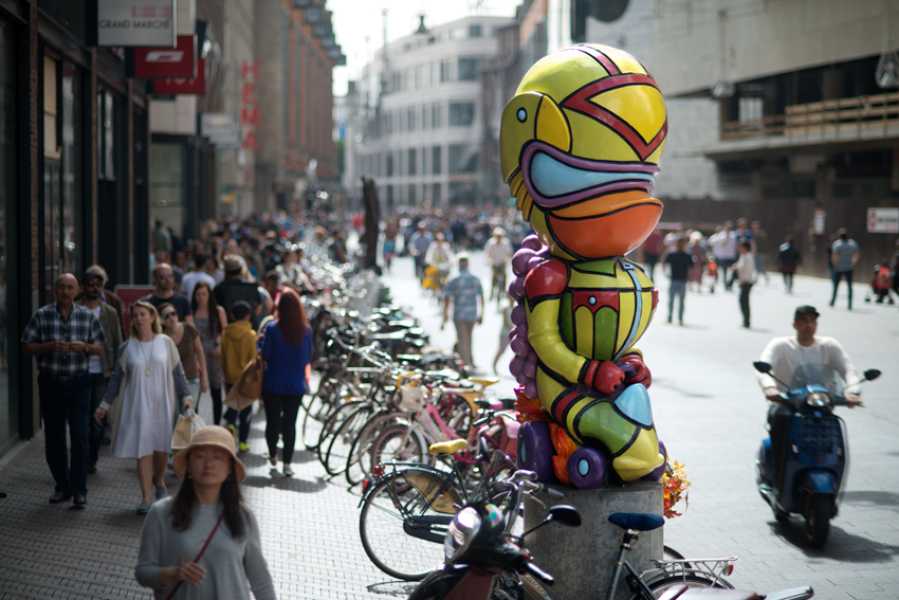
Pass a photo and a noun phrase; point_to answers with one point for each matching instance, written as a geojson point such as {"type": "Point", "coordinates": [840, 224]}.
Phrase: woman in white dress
{"type": "Point", "coordinates": [147, 379]}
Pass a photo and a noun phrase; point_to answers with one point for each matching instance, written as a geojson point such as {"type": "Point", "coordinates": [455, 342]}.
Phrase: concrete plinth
{"type": "Point", "coordinates": [582, 559]}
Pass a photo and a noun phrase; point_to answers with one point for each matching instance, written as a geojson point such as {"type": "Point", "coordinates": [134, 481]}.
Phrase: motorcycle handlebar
{"type": "Point", "coordinates": [539, 573]}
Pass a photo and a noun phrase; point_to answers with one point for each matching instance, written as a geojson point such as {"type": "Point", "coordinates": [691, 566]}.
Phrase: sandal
{"type": "Point", "coordinates": [143, 508]}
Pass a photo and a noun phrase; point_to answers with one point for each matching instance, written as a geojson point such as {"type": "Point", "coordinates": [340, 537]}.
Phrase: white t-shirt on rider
{"type": "Point", "coordinates": [786, 354]}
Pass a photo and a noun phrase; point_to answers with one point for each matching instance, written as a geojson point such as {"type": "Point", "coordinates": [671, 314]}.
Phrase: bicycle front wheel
{"type": "Point", "coordinates": [404, 519]}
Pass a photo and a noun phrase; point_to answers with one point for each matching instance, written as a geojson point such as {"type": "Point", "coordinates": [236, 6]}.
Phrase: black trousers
{"type": "Point", "coordinates": [788, 281]}
{"type": "Point", "coordinates": [96, 389]}
{"type": "Point", "coordinates": [281, 420]}
{"type": "Point", "coordinates": [745, 288]}
{"type": "Point", "coordinates": [216, 394]}
{"type": "Point", "coordinates": [66, 401]}
{"type": "Point", "coordinates": [836, 276]}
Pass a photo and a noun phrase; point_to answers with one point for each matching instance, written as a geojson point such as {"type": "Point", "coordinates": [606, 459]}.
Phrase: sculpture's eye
{"type": "Point", "coordinates": [521, 114]}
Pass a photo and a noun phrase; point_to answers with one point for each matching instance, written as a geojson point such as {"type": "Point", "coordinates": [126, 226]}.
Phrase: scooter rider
{"type": "Point", "coordinates": [786, 354]}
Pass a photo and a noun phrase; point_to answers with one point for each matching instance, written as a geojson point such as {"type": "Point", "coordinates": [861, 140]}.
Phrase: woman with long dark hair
{"type": "Point", "coordinates": [208, 522]}
{"type": "Point", "coordinates": [210, 320]}
{"type": "Point", "coordinates": [286, 351]}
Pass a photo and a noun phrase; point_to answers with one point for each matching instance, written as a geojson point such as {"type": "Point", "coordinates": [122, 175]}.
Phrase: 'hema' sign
{"type": "Point", "coordinates": [148, 23]}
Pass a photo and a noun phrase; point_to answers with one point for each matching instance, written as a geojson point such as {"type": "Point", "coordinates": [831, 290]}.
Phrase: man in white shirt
{"type": "Point", "coordinates": [724, 248]}
{"type": "Point", "coordinates": [499, 252]}
{"type": "Point", "coordinates": [785, 355]}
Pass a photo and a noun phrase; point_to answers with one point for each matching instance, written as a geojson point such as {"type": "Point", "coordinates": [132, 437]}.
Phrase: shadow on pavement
{"type": "Point", "coordinates": [841, 546]}
{"type": "Point", "coordinates": [670, 385]}
{"type": "Point", "coordinates": [873, 498]}
{"type": "Point", "coordinates": [291, 484]}
{"type": "Point", "coordinates": [399, 589]}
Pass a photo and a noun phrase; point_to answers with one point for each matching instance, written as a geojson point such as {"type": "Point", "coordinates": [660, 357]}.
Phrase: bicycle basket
{"type": "Point", "coordinates": [411, 397]}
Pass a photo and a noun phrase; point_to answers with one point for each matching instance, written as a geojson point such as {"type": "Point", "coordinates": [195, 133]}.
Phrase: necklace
{"type": "Point", "coordinates": [146, 357]}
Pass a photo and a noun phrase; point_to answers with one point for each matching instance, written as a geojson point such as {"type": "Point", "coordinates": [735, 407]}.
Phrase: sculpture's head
{"type": "Point", "coordinates": [581, 142]}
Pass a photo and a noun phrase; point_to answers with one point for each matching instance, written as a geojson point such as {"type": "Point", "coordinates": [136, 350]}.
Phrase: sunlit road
{"type": "Point", "coordinates": [710, 412]}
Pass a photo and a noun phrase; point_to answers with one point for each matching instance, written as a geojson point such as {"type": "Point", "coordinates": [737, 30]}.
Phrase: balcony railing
{"type": "Point", "coordinates": [846, 118]}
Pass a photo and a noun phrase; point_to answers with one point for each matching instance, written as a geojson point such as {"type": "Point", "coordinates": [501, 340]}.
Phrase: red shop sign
{"type": "Point", "coordinates": [172, 86]}
{"type": "Point", "coordinates": [156, 63]}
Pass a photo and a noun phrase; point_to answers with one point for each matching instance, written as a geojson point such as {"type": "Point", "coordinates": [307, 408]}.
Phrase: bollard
{"type": "Point", "coordinates": [582, 559]}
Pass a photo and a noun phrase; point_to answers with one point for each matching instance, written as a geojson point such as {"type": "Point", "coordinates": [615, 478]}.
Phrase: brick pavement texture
{"type": "Point", "coordinates": [308, 526]}
{"type": "Point", "coordinates": [710, 415]}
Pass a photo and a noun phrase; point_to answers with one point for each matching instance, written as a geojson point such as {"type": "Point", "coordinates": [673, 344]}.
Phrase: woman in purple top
{"type": "Point", "coordinates": [286, 350]}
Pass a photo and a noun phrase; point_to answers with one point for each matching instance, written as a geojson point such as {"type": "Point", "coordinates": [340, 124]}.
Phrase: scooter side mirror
{"type": "Point", "coordinates": [872, 374]}
{"type": "Point", "coordinates": [565, 514]}
{"type": "Point", "coordinates": [762, 367]}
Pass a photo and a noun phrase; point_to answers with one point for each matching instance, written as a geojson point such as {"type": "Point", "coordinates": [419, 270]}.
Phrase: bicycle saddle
{"type": "Point", "coordinates": [450, 447]}
{"type": "Point", "coordinates": [637, 521]}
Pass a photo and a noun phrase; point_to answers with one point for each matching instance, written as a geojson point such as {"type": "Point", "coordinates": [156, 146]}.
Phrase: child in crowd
{"type": "Point", "coordinates": [238, 350]}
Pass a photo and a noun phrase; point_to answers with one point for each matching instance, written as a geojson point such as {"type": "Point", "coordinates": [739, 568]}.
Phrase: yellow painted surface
{"type": "Point", "coordinates": [642, 106]}
{"type": "Point", "coordinates": [583, 325]}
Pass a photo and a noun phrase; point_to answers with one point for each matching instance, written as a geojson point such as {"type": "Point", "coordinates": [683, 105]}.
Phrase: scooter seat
{"type": "Point", "coordinates": [637, 521]}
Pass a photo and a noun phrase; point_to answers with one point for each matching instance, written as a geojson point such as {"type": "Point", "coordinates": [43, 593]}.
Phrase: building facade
{"type": "Point", "coordinates": [73, 170]}
{"type": "Point", "coordinates": [792, 109]}
{"type": "Point", "coordinates": [417, 116]}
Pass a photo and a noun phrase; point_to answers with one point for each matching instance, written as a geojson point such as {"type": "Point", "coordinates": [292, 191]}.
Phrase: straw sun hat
{"type": "Point", "coordinates": [211, 435]}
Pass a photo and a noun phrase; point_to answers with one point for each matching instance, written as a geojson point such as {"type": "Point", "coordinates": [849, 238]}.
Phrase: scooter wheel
{"type": "Point", "coordinates": [587, 468]}
{"type": "Point", "coordinates": [780, 516]}
{"type": "Point", "coordinates": [535, 450]}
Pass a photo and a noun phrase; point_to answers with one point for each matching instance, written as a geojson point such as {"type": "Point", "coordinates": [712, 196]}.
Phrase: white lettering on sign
{"type": "Point", "coordinates": [165, 56]}
{"type": "Point", "coordinates": [147, 23]}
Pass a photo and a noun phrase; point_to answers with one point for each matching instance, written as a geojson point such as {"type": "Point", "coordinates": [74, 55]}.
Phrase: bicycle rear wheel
{"type": "Point", "coordinates": [397, 443]}
{"type": "Point", "coordinates": [691, 580]}
{"type": "Point", "coordinates": [404, 519]}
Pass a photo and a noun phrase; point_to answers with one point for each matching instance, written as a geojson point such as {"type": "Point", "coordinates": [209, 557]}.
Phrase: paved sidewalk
{"type": "Point", "coordinates": [309, 531]}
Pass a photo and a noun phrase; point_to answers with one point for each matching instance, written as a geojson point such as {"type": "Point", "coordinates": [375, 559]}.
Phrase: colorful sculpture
{"type": "Point", "coordinates": [581, 142]}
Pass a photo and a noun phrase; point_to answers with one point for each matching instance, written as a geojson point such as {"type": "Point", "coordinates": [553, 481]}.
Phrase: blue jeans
{"type": "Point", "coordinates": [66, 401]}
{"type": "Point", "coordinates": [246, 418]}
{"type": "Point", "coordinates": [677, 290]}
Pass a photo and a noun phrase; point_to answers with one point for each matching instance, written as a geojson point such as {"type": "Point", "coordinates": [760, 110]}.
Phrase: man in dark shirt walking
{"type": "Point", "coordinates": [678, 263]}
{"type": "Point", "coordinates": [164, 291]}
{"type": "Point", "coordinates": [64, 336]}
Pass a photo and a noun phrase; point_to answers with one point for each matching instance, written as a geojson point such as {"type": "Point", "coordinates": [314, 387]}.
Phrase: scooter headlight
{"type": "Point", "coordinates": [461, 533]}
{"type": "Point", "coordinates": [818, 399]}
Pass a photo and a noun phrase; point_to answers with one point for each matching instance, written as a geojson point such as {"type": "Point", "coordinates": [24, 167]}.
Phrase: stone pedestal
{"type": "Point", "coordinates": [582, 559]}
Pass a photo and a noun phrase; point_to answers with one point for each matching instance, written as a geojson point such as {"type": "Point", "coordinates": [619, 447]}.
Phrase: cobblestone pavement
{"type": "Point", "coordinates": [308, 525]}
{"type": "Point", "coordinates": [709, 412]}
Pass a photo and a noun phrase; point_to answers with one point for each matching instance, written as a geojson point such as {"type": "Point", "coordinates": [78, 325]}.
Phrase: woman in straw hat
{"type": "Point", "coordinates": [204, 537]}
{"type": "Point", "coordinates": [149, 378]}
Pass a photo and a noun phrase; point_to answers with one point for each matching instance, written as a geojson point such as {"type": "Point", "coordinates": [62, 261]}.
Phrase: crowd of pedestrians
{"type": "Point", "coordinates": [733, 256]}
{"type": "Point", "coordinates": [124, 374]}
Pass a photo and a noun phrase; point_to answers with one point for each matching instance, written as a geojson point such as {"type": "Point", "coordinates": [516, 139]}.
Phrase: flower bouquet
{"type": "Point", "coordinates": [674, 489]}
